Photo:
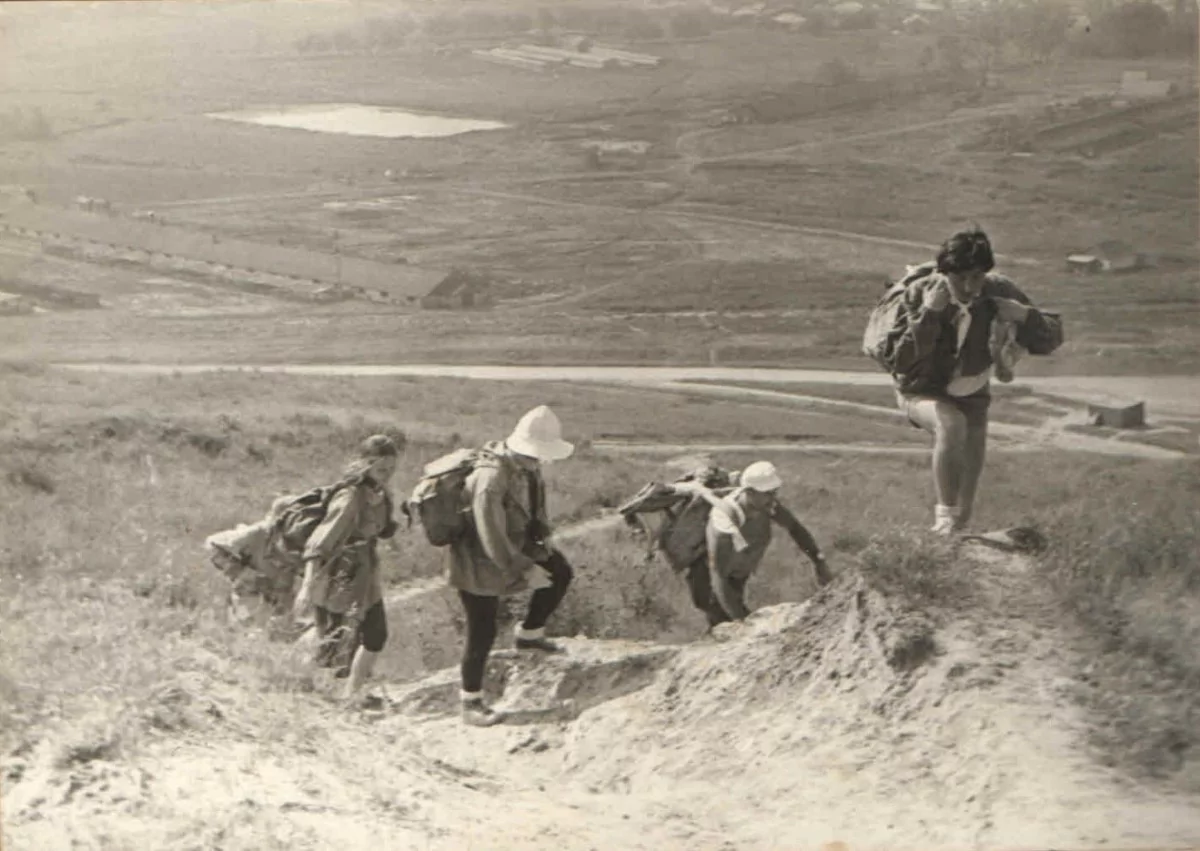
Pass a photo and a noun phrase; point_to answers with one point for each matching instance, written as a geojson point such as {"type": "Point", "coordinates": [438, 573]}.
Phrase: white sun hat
{"type": "Point", "coordinates": [761, 476]}
{"type": "Point", "coordinates": [539, 435]}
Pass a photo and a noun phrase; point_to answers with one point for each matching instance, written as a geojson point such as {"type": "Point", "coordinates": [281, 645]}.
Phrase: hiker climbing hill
{"type": "Point", "coordinates": [341, 566]}
{"type": "Point", "coordinates": [487, 507]}
{"type": "Point", "coordinates": [942, 331]}
{"type": "Point", "coordinates": [326, 538]}
{"type": "Point", "coordinates": [717, 536]}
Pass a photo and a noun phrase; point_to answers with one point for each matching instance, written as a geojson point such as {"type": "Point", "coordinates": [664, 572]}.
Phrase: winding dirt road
{"type": "Point", "coordinates": [1172, 395]}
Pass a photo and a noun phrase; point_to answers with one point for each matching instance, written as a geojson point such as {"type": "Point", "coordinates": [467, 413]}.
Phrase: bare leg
{"type": "Point", "coordinates": [976, 450]}
{"type": "Point", "coordinates": [360, 670]}
{"type": "Point", "coordinates": [948, 426]}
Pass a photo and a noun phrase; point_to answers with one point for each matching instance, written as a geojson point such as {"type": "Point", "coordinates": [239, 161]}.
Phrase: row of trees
{"type": "Point", "coordinates": [1032, 29]}
{"type": "Point", "coordinates": [1036, 30]}
{"type": "Point", "coordinates": [1141, 28]}
{"type": "Point", "coordinates": [615, 22]}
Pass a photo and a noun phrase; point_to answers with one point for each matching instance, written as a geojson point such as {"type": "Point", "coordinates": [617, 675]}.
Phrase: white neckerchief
{"type": "Point", "coordinates": [727, 518]}
{"type": "Point", "coordinates": [962, 320]}
{"type": "Point", "coordinates": [961, 385]}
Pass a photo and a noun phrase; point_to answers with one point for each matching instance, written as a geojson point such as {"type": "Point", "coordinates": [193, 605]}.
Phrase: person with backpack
{"type": "Point", "coordinates": [341, 566]}
{"type": "Point", "coordinates": [504, 549]}
{"type": "Point", "coordinates": [942, 332]}
{"type": "Point", "coordinates": [683, 504]}
{"type": "Point", "coordinates": [717, 536]}
{"type": "Point", "coordinates": [261, 571]}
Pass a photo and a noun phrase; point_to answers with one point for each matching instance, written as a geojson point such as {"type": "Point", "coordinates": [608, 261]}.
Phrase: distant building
{"type": "Point", "coordinates": [1084, 264]}
{"type": "Point", "coordinates": [460, 289]}
{"type": "Point", "coordinates": [12, 304]}
{"type": "Point", "coordinates": [1136, 84]}
{"type": "Point", "coordinates": [1117, 256]}
{"type": "Point", "coordinates": [578, 43]}
{"type": "Point", "coordinates": [1123, 416]}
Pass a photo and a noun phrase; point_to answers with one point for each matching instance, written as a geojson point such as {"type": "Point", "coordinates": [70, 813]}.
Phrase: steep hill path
{"type": "Point", "coordinates": [856, 720]}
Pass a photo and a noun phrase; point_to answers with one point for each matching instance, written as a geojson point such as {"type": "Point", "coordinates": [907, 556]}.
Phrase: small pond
{"type": "Point", "coordinates": [360, 120]}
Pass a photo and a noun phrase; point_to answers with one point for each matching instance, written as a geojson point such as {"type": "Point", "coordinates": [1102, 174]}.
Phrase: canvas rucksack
{"type": "Point", "coordinates": [299, 517]}
{"type": "Point", "coordinates": [436, 500]}
{"type": "Point", "coordinates": [887, 321]}
{"type": "Point", "coordinates": [681, 534]}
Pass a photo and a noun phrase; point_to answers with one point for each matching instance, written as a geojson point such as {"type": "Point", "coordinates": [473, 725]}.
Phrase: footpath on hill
{"type": "Point", "coordinates": [858, 719]}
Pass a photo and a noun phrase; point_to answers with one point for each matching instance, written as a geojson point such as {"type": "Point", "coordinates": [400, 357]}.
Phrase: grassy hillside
{"type": "Point", "coordinates": [113, 483]}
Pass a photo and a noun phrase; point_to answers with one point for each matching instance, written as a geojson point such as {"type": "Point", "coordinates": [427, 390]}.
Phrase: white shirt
{"type": "Point", "coordinates": [964, 385]}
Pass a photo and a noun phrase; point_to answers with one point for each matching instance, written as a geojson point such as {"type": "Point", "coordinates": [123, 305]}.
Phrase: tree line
{"type": "Point", "coordinates": [1032, 29]}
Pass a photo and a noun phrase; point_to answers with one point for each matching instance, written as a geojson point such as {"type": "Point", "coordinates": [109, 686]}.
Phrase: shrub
{"type": "Point", "coordinates": [916, 567]}
{"type": "Point", "coordinates": [1132, 30]}
{"type": "Point", "coordinates": [836, 72]}
{"type": "Point", "coordinates": [691, 23]}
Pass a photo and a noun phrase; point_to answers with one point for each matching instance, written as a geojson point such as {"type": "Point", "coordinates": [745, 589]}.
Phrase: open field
{"type": "Point", "coordinates": [798, 219]}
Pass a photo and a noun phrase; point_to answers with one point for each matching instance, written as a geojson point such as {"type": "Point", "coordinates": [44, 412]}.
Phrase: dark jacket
{"type": "Point", "coordinates": [927, 352]}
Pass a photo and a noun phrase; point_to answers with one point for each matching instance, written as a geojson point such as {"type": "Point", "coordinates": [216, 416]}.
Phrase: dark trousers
{"type": "Point", "coordinates": [482, 611]}
{"type": "Point", "coordinates": [704, 598]}
{"type": "Point", "coordinates": [339, 639]}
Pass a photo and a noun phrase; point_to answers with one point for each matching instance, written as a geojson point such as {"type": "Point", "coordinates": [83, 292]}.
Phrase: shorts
{"type": "Point", "coordinates": [974, 407]}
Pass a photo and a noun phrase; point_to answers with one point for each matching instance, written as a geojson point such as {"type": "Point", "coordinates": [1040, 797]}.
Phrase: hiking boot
{"type": "Point", "coordinates": [476, 713]}
{"type": "Point", "coordinates": [365, 702]}
{"type": "Point", "coordinates": [544, 645]}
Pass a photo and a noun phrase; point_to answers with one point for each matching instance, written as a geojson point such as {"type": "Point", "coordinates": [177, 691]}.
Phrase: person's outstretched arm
{"type": "Point", "coordinates": [1039, 332]}
{"type": "Point", "coordinates": [804, 540]}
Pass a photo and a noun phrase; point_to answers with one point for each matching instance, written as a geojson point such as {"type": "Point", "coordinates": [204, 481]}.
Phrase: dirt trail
{"type": "Point", "coordinates": [852, 718]}
{"type": "Point", "coordinates": [1171, 395]}
{"type": "Point", "coordinates": [717, 215]}
{"type": "Point", "coordinates": [1050, 434]}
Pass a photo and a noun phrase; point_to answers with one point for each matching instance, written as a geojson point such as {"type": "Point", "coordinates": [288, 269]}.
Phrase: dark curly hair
{"type": "Point", "coordinates": [370, 451]}
{"type": "Point", "coordinates": [966, 251]}
{"type": "Point", "coordinates": [377, 446]}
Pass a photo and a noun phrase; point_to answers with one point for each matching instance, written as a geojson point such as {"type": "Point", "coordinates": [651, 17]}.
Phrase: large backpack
{"type": "Point", "coordinates": [681, 535]}
{"type": "Point", "coordinates": [437, 499]}
{"type": "Point", "coordinates": [301, 515]}
{"type": "Point", "coordinates": [887, 320]}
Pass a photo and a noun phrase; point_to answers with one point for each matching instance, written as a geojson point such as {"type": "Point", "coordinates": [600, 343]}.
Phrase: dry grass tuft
{"type": "Point", "coordinates": [917, 568]}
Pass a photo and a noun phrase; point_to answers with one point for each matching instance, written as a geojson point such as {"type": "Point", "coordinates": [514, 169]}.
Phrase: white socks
{"type": "Point", "coordinates": [530, 634]}
{"type": "Point", "coordinates": [945, 519]}
{"type": "Point", "coordinates": [471, 696]}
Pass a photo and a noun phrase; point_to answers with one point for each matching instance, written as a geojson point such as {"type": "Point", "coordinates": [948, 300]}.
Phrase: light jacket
{"type": "Point", "coordinates": [507, 527]}
{"type": "Point", "coordinates": [928, 355]}
{"type": "Point", "coordinates": [345, 544]}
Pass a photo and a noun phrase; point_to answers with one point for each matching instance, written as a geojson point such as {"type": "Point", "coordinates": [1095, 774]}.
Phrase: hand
{"type": "Point", "coordinates": [824, 576]}
{"type": "Point", "coordinates": [303, 602]}
{"type": "Point", "coordinates": [537, 577]}
{"type": "Point", "coordinates": [1009, 310]}
{"type": "Point", "coordinates": [937, 297]}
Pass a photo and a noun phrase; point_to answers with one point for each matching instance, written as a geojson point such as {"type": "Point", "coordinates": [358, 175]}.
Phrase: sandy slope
{"type": "Point", "coordinates": [848, 719]}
